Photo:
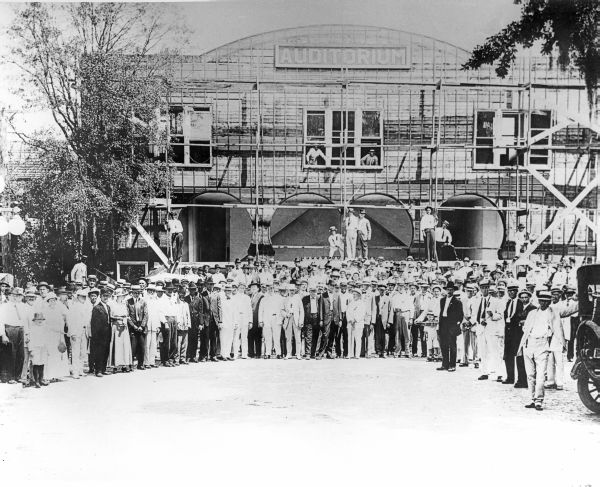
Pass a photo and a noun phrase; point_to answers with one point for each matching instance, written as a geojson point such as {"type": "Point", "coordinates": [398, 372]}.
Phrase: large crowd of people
{"type": "Point", "coordinates": [514, 325]}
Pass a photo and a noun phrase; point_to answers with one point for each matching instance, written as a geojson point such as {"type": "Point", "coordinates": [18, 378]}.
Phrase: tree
{"type": "Point", "coordinates": [92, 65]}
{"type": "Point", "coordinates": [571, 27]}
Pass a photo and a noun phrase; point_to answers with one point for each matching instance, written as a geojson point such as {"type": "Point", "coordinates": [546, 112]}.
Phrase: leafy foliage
{"type": "Point", "coordinates": [570, 27]}
{"type": "Point", "coordinates": [103, 87]}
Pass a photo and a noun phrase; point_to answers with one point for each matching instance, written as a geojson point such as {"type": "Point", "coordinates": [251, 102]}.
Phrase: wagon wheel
{"type": "Point", "coordinates": [589, 392]}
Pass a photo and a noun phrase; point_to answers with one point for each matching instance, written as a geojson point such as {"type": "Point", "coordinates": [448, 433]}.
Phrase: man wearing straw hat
{"type": "Point", "coordinates": [542, 328]}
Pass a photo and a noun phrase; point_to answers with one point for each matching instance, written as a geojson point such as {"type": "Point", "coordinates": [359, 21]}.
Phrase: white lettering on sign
{"type": "Point", "coordinates": [342, 57]}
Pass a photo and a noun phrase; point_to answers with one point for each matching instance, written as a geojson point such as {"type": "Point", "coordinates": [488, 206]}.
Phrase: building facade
{"type": "Point", "coordinates": [273, 136]}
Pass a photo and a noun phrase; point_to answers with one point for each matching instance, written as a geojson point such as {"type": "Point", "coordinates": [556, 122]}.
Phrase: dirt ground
{"type": "Point", "coordinates": [265, 422]}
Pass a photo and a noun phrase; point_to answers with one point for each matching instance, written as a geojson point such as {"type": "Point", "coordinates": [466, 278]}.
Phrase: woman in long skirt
{"type": "Point", "coordinates": [58, 359]}
{"type": "Point", "coordinates": [120, 345]}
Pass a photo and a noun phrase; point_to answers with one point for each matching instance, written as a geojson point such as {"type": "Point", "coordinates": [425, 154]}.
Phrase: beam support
{"type": "Point", "coordinates": [570, 208]}
{"type": "Point", "coordinates": [152, 244]}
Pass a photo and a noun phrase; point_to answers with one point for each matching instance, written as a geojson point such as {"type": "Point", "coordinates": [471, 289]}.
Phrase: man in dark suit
{"type": "Point", "coordinates": [326, 311]}
{"type": "Point", "coordinates": [255, 332]}
{"type": "Point", "coordinates": [451, 316]}
{"type": "Point", "coordinates": [513, 332]}
{"type": "Point", "coordinates": [101, 332]}
{"type": "Point", "coordinates": [203, 331]}
{"type": "Point", "coordinates": [196, 303]}
{"type": "Point", "coordinates": [336, 319]}
{"type": "Point", "coordinates": [312, 319]}
{"type": "Point", "coordinates": [216, 316]}
{"type": "Point", "coordinates": [137, 321]}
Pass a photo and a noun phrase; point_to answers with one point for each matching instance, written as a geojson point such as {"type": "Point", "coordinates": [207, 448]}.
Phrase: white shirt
{"type": "Point", "coordinates": [230, 314]}
{"type": "Point", "coordinates": [79, 272]}
{"type": "Point", "coordinates": [428, 221]}
{"type": "Point", "coordinates": [344, 300]}
{"type": "Point", "coordinates": [243, 307]}
{"type": "Point", "coordinates": [335, 240]}
{"type": "Point", "coordinates": [356, 313]}
{"type": "Point", "coordinates": [352, 222]}
{"type": "Point", "coordinates": [364, 227]}
{"type": "Point", "coordinates": [175, 226]}
{"type": "Point", "coordinates": [313, 154]}
{"type": "Point", "coordinates": [447, 305]}
{"type": "Point", "coordinates": [541, 323]}
{"type": "Point", "coordinates": [443, 235]}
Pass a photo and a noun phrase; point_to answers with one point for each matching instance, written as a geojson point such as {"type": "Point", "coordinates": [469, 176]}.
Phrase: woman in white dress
{"type": "Point", "coordinates": [120, 356]}
{"type": "Point", "coordinates": [57, 366]}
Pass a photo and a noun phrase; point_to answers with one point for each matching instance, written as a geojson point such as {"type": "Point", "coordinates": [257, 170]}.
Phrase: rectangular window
{"type": "Point", "coordinates": [540, 121]}
{"type": "Point", "coordinates": [315, 138]}
{"type": "Point", "coordinates": [351, 138]}
{"type": "Point", "coordinates": [370, 141]}
{"type": "Point", "coordinates": [500, 137]}
{"type": "Point", "coordinates": [191, 135]}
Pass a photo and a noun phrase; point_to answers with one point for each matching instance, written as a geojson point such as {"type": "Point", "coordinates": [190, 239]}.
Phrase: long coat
{"type": "Point", "coordinates": [101, 332]}
{"type": "Point", "coordinates": [513, 330]}
{"type": "Point", "coordinates": [449, 326]}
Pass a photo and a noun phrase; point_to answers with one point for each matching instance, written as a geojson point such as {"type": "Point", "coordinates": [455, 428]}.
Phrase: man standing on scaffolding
{"type": "Point", "coordinates": [351, 234]}
{"type": "Point", "coordinates": [175, 228]}
{"type": "Point", "coordinates": [364, 235]}
{"type": "Point", "coordinates": [428, 224]}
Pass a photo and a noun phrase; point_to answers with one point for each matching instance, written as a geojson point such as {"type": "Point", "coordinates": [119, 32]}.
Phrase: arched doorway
{"type": "Point", "coordinates": [392, 230]}
{"type": "Point", "coordinates": [477, 234]}
{"type": "Point", "coordinates": [303, 232]}
{"type": "Point", "coordinates": [214, 233]}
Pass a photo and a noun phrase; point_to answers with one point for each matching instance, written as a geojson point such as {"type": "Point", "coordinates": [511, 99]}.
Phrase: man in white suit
{"type": "Point", "coordinates": [243, 309]}
{"type": "Point", "coordinates": [229, 323]}
{"type": "Point", "coordinates": [541, 333]}
{"type": "Point", "coordinates": [293, 318]}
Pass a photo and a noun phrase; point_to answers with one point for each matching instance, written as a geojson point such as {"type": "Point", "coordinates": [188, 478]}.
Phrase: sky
{"type": "Point", "coordinates": [210, 24]}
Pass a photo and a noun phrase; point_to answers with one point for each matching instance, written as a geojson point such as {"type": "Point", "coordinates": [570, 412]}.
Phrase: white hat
{"type": "Point", "coordinates": [82, 292]}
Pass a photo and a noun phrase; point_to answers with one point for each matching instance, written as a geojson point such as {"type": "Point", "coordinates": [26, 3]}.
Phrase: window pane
{"type": "Point", "coordinates": [484, 156]}
{"type": "Point", "coordinates": [200, 123]}
{"type": "Point", "coordinates": [200, 154]}
{"type": "Point", "coordinates": [370, 124]}
{"type": "Point", "coordinates": [540, 119]}
{"type": "Point", "coordinates": [176, 118]}
{"type": "Point", "coordinates": [177, 150]}
{"type": "Point", "coordinates": [315, 125]}
{"type": "Point", "coordinates": [370, 155]}
{"type": "Point", "coordinates": [315, 155]}
{"type": "Point", "coordinates": [485, 124]}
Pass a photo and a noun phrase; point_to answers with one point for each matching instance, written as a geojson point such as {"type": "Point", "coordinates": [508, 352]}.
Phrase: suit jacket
{"type": "Point", "coordinates": [337, 308]}
{"type": "Point", "coordinates": [555, 331]}
{"type": "Point", "coordinates": [525, 312]}
{"type": "Point", "coordinates": [100, 328]}
{"type": "Point", "coordinates": [450, 325]}
{"type": "Point", "coordinates": [137, 315]}
{"type": "Point", "coordinates": [513, 321]}
{"type": "Point", "coordinates": [382, 307]}
{"type": "Point", "coordinates": [325, 309]}
{"type": "Point", "coordinates": [197, 304]}
{"type": "Point", "coordinates": [307, 313]}
{"type": "Point", "coordinates": [216, 307]}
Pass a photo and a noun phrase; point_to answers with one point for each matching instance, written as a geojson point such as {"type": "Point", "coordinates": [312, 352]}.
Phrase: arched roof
{"type": "Point", "coordinates": [330, 32]}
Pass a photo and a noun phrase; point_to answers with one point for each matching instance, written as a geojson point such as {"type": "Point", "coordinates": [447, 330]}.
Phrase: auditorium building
{"type": "Point", "coordinates": [272, 137]}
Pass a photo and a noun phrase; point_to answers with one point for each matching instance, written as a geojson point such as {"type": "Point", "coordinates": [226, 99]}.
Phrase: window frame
{"type": "Point", "coordinates": [523, 135]}
{"type": "Point", "coordinates": [328, 138]}
{"type": "Point", "coordinates": [186, 134]}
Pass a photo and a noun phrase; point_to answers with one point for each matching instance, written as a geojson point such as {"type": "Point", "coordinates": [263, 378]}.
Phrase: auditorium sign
{"type": "Point", "coordinates": [384, 57]}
